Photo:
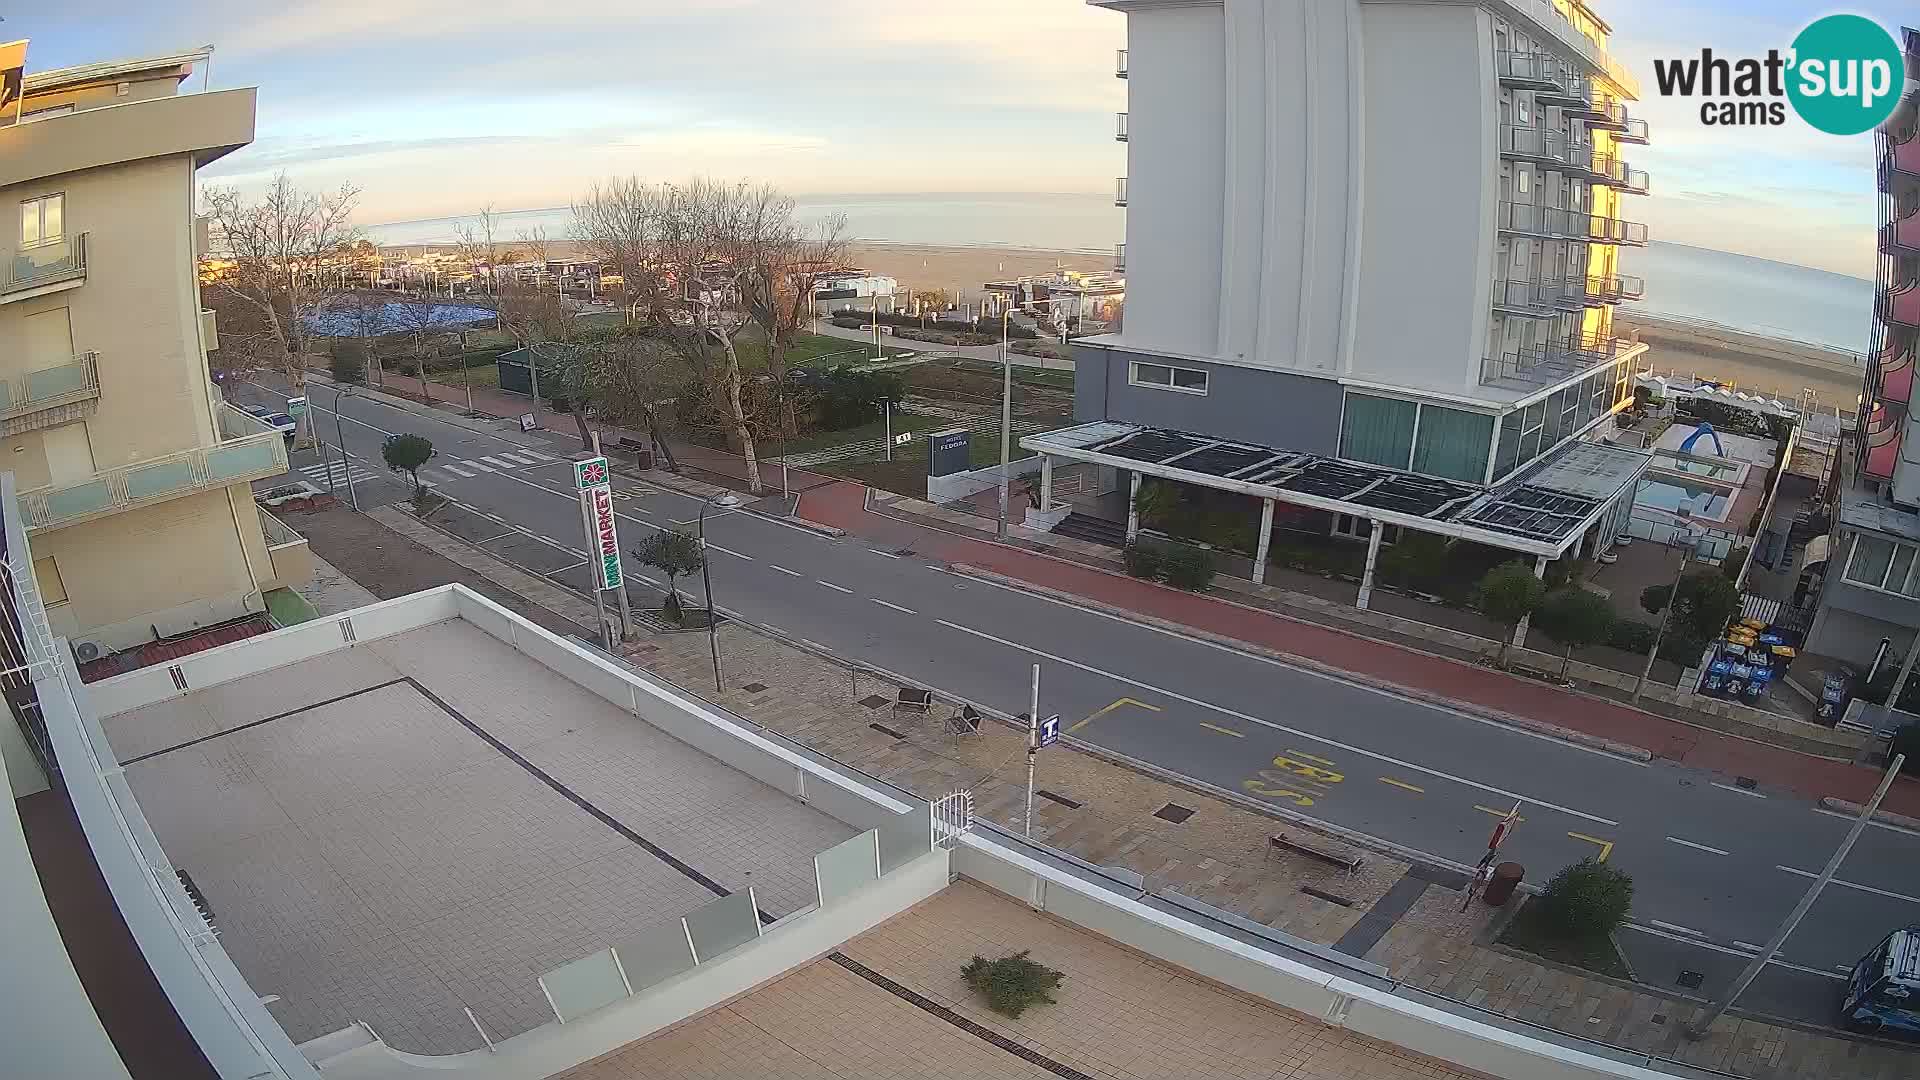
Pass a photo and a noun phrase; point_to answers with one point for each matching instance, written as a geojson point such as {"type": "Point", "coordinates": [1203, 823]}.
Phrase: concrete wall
{"type": "Point", "coordinates": [1272, 408]}
{"type": "Point", "coordinates": [1852, 620]}
{"type": "Point", "coordinates": [956, 486]}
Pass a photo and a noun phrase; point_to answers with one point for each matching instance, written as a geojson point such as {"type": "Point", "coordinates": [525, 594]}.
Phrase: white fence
{"type": "Point", "coordinates": [956, 486]}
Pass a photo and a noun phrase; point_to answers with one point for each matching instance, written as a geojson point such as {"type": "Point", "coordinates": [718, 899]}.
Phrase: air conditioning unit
{"type": "Point", "coordinates": [87, 651]}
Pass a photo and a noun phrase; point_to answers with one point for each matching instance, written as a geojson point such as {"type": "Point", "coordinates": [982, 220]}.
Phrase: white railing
{"type": "Point", "coordinates": [1120, 64]}
{"type": "Point", "coordinates": [241, 458]}
{"type": "Point", "coordinates": [1119, 256]}
{"type": "Point", "coordinates": [50, 387]}
{"type": "Point", "coordinates": [1120, 191]}
{"type": "Point", "coordinates": [952, 818]}
{"type": "Point", "coordinates": [46, 264]}
{"type": "Point", "coordinates": [1120, 127]}
{"type": "Point", "coordinates": [276, 532]}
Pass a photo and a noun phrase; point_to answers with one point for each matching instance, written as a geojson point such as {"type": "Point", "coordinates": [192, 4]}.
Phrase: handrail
{"type": "Point", "coordinates": [46, 264]}
{"type": "Point", "coordinates": [46, 388]}
{"type": "Point", "coordinates": [1562, 223]}
{"type": "Point", "coordinates": [276, 532]}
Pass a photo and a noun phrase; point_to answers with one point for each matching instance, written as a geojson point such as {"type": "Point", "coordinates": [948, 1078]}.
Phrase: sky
{"type": "Point", "coordinates": [436, 107]}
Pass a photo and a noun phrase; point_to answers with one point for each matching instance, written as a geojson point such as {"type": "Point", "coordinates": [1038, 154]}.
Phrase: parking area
{"type": "Point", "coordinates": [394, 831]}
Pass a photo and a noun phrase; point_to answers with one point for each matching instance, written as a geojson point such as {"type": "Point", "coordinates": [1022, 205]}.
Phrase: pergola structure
{"type": "Point", "coordinates": [1543, 512]}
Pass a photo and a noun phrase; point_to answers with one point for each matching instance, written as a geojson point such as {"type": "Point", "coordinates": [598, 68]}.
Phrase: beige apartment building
{"type": "Point", "coordinates": [133, 473]}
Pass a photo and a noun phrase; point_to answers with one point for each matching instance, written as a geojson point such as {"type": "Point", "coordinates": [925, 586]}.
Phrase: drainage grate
{"type": "Point", "coordinates": [194, 894]}
{"type": "Point", "coordinates": [1331, 898]}
{"type": "Point", "coordinates": [885, 730]}
{"type": "Point", "coordinates": [754, 687]}
{"type": "Point", "coordinates": [1174, 812]}
{"type": "Point", "coordinates": [1061, 799]}
{"type": "Point", "coordinates": [1690, 980]}
{"type": "Point", "coordinates": [1745, 783]}
{"type": "Point", "coordinates": [1658, 1019]}
{"type": "Point", "coordinates": [874, 701]}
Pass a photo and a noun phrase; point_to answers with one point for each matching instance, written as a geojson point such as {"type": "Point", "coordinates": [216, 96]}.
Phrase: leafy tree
{"type": "Point", "coordinates": [1157, 501]}
{"type": "Point", "coordinates": [675, 554]}
{"type": "Point", "coordinates": [1706, 601]}
{"type": "Point", "coordinates": [1587, 900]}
{"type": "Point", "coordinates": [847, 398]}
{"type": "Point", "coordinates": [1507, 594]}
{"type": "Point", "coordinates": [1576, 619]}
{"type": "Point", "coordinates": [347, 359]}
{"type": "Point", "coordinates": [1011, 984]}
{"type": "Point", "coordinates": [406, 453]}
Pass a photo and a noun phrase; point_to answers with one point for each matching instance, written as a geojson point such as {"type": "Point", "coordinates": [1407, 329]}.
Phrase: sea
{"type": "Point", "coordinates": [1695, 284]}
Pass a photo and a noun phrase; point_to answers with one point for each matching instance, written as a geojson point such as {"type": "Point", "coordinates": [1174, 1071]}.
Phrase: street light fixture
{"type": "Point", "coordinates": [726, 499]}
{"type": "Point", "coordinates": [1688, 552]}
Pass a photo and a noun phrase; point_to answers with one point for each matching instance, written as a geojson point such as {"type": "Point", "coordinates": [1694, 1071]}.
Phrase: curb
{"type": "Point", "coordinates": [1593, 742]}
{"type": "Point", "coordinates": [1854, 809]}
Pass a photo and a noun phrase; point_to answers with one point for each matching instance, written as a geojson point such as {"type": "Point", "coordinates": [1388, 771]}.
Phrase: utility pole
{"type": "Point", "coordinates": [1006, 422]}
{"type": "Point", "coordinates": [1033, 744]}
{"type": "Point", "coordinates": [1899, 684]}
{"type": "Point", "coordinates": [1666, 615]}
{"type": "Point", "coordinates": [886, 412]}
{"type": "Point", "coordinates": [346, 466]}
{"type": "Point", "coordinates": [1700, 1029]}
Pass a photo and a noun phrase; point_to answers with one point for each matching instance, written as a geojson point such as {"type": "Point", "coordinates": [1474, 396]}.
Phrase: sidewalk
{"type": "Point", "coordinates": [1218, 854]}
{"type": "Point", "coordinates": [843, 506]}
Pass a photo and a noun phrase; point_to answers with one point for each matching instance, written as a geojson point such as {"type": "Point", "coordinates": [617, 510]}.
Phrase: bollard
{"type": "Point", "coordinates": [1506, 878]}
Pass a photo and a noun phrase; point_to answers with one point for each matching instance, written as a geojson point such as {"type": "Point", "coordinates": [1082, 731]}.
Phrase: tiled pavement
{"type": "Point", "coordinates": [1218, 855]}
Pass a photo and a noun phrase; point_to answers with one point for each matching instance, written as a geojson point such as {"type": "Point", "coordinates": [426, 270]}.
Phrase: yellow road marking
{"type": "Point", "coordinates": [1495, 813]}
{"type": "Point", "coordinates": [1110, 708]}
{"type": "Point", "coordinates": [1309, 757]}
{"type": "Point", "coordinates": [1402, 784]}
{"type": "Point", "coordinates": [1606, 846]}
{"type": "Point", "coordinates": [1221, 730]}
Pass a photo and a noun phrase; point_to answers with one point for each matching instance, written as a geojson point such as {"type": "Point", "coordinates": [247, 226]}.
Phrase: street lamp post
{"type": "Point", "coordinates": [1687, 552]}
{"type": "Point", "coordinates": [725, 498]}
{"type": "Point", "coordinates": [1006, 413]}
{"type": "Point", "coordinates": [339, 436]}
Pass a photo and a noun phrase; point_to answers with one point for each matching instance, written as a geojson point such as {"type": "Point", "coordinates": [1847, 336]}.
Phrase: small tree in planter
{"type": "Point", "coordinates": [1188, 568]}
{"type": "Point", "coordinates": [1011, 984]}
{"type": "Point", "coordinates": [406, 453]}
{"type": "Point", "coordinates": [674, 554]}
{"type": "Point", "coordinates": [1157, 501]}
{"type": "Point", "coordinates": [1508, 594]}
{"type": "Point", "coordinates": [1144, 560]}
{"type": "Point", "coordinates": [1586, 900]}
{"type": "Point", "coordinates": [1576, 619]}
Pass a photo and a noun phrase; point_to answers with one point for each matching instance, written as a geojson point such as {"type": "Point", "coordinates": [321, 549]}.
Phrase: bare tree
{"type": "Point", "coordinates": [284, 249]}
{"type": "Point", "coordinates": [479, 247]}
{"type": "Point", "coordinates": [639, 385]}
{"type": "Point", "coordinates": [413, 313]}
{"type": "Point", "coordinates": [779, 294]}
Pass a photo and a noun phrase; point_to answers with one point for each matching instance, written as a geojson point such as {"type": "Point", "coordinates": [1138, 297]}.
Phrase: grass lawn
{"type": "Point", "coordinates": [1528, 933]}
{"type": "Point", "coordinates": [902, 422]}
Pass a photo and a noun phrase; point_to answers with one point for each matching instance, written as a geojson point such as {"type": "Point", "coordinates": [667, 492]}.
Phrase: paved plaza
{"type": "Point", "coordinates": [393, 831]}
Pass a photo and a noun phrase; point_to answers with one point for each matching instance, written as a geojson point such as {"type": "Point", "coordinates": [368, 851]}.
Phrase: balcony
{"type": "Point", "coordinates": [1900, 305]}
{"type": "Point", "coordinates": [1526, 297]}
{"type": "Point", "coordinates": [1612, 116]}
{"type": "Point", "coordinates": [55, 395]}
{"type": "Point", "coordinates": [1611, 171]}
{"type": "Point", "coordinates": [1119, 258]}
{"type": "Point", "coordinates": [250, 450]}
{"type": "Point", "coordinates": [287, 551]}
{"type": "Point", "coordinates": [1901, 157]}
{"type": "Point", "coordinates": [1537, 297]}
{"type": "Point", "coordinates": [1555, 223]}
{"type": "Point", "coordinates": [1575, 93]}
{"type": "Point", "coordinates": [1530, 70]}
{"type": "Point", "coordinates": [1543, 146]}
{"type": "Point", "coordinates": [1901, 236]}
{"type": "Point", "coordinates": [47, 268]}
{"type": "Point", "coordinates": [1119, 127]}
{"type": "Point", "coordinates": [1551, 361]}
{"type": "Point", "coordinates": [1120, 64]}
{"type": "Point", "coordinates": [1120, 191]}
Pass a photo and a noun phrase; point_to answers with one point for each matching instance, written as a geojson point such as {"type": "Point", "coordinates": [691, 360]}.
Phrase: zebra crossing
{"type": "Point", "coordinates": [506, 461]}
{"type": "Point", "coordinates": [332, 473]}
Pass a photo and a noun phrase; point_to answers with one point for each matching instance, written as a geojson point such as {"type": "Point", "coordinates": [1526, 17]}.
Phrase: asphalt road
{"type": "Point", "coordinates": [1715, 867]}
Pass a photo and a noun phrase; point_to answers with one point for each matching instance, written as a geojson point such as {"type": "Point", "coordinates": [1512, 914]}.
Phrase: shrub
{"type": "Point", "coordinates": [1143, 560]}
{"type": "Point", "coordinates": [1631, 636]}
{"type": "Point", "coordinates": [1188, 568]}
{"type": "Point", "coordinates": [1587, 900]}
{"type": "Point", "coordinates": [347, 360]}
{"type": "Point", "coordinates": [1576, 619]}
{"type": "Point", "coordinates": [1011, 984]}
{"type": "Point", "coordinates": [406, 453]}
{"type": "Point", "coordinates": [675, 554]}
{"type": "Point", "coordinates": [847, 398]}
{"type": "Point", "coordinates": [1508, 593]}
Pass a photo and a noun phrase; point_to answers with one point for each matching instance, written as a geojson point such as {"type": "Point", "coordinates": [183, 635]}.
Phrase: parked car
{"type": "Point", "coordinates": [284, 423]}
{"type": "Point", "coordinates": [260, 411]}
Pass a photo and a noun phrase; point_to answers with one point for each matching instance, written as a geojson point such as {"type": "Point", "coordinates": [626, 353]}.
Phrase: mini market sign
{"type": "Point", "coordinates": [596, 507]}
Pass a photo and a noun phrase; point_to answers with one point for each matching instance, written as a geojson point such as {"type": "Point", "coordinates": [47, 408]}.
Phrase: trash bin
{"type": "Point", "coordinates": [1506, 877]}
{"type": "Point", "coordinates": [643, 458]}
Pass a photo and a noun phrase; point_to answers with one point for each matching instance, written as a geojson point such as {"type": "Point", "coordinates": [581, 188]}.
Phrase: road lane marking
{"type": "Point", "coordinates": [498, 462]}
{"type": "Point", "coordinates": [1300, 668]}
{"type": "Point", "coordinates": [457, 470]}
{"type": "Point", "coordinates": [1403, 785]}
{"type": "Point", "coordinates": [784, 570]}
{"type": "Point", "coordinates": [1852, 885]}
{"type": "Point", "coordinates": [883, 554]}
{"type": "Point", "coordinates": [1221, 730]}
{"type": "Point", "coordinates": [1222, 710]}
{"type": "Point", "coordinates": [1749, 946]}
{"type": "Point", "coordinates": [1854, 817]}
{"type": "Point", "coordinates": [477, 465]}
{"type": "Point", "coordinates": [1606, 846]}
{"type": "Point", "coordinates": [502, 536]}
{"type": "Point", "coordinates": [835, 588]}
{"type": "Point", "coordinates": [1677, 928]}
{"type": "Point", "coordinates": [730, 551]}
{"type": "Point", "coordinates": [1501, 814]}
{"type": "Point", "coordinates": [1738, 790]}
{"type": "Point", "coordinates": [1702, 943]}
{"type": "Point", "coordinates": [564, 569]}
{"type": "Point", "coordinates": [1309, 757]}
{"type": "Point", "coordinates": [1694, 846]}
{"type": "Point", "coordinates": [522, 457]}
{"type": "Point", "coordinates": [896, 607]}
{"type": "Point", "coordinates": [1109, 708]}
{"type": "Point", "coordinates": [578, 552]}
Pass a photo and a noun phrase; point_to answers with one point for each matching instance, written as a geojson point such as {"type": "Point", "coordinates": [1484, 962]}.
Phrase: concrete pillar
{"type": "Point", "coordinates": [1133, 506]}
{"type": "Point", "coordinates": [1520, 632]}
{"type": "Point", "coordinates": [1373, 560]}
{"type": "Point", "coordinates": [1266, 537]}
{"type": "Point", "coordinates": [1046, 482]}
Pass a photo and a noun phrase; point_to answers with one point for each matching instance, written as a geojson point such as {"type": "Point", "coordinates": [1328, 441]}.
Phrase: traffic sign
{"type": "Point", "coordinates": [1050, 730]}
{"type": "Point", "coordinates": [903, 438]}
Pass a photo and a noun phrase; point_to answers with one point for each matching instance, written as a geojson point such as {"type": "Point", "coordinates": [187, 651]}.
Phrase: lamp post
{"type": "Point", "coordinates": [339, 436]}
{"type": "Point", "coordinates": [1006, 413]}
{"type": "Point", "coordinates": [1666, 614]}
{"type": "Point", "coordinates": [725, 498]}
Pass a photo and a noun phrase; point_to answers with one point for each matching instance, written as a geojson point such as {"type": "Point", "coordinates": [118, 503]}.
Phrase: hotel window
{"type": "Point", "coordinates": [1378, 431]}
{"type": "Point", "coordinates": [40, 220]}
{"type": "Point", "coordinates": [1883, 564]}
{"type": "Point", "coordinates": [1166, 377]}
{"type": "Point", "coordinates": [1453, 443]}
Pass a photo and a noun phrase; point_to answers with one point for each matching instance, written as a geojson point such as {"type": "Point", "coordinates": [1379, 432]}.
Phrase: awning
{"type": "Point", "coordinates": [1544, 511]}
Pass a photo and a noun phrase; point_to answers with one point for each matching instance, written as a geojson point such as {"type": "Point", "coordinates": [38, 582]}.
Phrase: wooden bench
{"type": "Point", "coordinates": [1280, 841]}
{"type": "Point", "coordinates": [628, 445]}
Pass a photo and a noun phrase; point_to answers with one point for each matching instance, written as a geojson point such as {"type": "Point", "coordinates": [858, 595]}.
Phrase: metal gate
{"type": "Point", "coordinates": [952, 818]}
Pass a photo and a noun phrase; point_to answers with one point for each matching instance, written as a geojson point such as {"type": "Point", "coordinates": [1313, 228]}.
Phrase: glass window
{"type": "Point", "coordinates": [1189, 379]}
{"type": "Point", "coordinates": [1167, 377]}
{"type": "Point", "coordinates": [41, 220]}
{"type": "Point", "coordinates": [1378, 431]}
{"type": "Point", "coordinates": [1453, 443]}
{"type": "Point", "coordinates": [1530, 430]}
{"type": "Point", "coordinates": [1509, 455]}
{"type": "Point", "coordinates": [1902, 562]}
{"type": "Point", "coordinates": [1871, 555]}
{"type": "Point", "coordinates": [1556, 425]}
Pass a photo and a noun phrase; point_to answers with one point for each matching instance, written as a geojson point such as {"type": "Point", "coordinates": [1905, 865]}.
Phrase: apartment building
{"type": "Point", "coordinates": [1869, 589]}
{"type": "Point", "coordinates": [133, 474]}
{"type": "Point", "coordinates": [1373, 250]}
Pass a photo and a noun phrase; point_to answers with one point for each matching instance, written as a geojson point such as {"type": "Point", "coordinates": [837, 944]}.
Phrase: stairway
{"type": "Point", "coordinates": [1096, 530]}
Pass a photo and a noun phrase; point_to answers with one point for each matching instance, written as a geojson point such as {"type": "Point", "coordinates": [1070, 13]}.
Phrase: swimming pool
{"type": "Point", "coordinates": [1671, 495]}
{"type": "Point", "coordinates": [1716, 469]}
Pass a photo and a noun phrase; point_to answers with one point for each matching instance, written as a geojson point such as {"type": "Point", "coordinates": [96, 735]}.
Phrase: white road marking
{"type": "Point", "coordinates": [1875, 824]}
{"type": "Point", "coordinates": [578, 552]}
{"type": "Point", "coordinates": [477, 465]}
{"type": "Point", "coordinates": [835, 588]}
{"type": "Point", "coordinates": [1747, 945]}
{"type": "Point", "coordinates": [502, 536]}
{"type": "Point", "coordinates": [1279, 727]}
{"type": "Point", "coordinates": [883, 554]}
{"type": "Point", "coordinates": [784, 570]}
{"type": "Point", "coordinates": [502, 464]}
{"type": "Point", "coordinates": [495, 516]}
{"type": "Point", "coordinates": [730, 551]}
{"type": "Point", "coordinates": [457, 470]}
{"type": "Point", "coordinates": [1677, 928]}
{"type": "Point", "coordinates": [1715, 947]}
{"type": "Point", "coordinates": [569, 566]}
{"type": "Point", "coordinates": [896, 607]}
{"type": "Point", "coordinates": [1694, 846]}
{"type": "Point", "coordinates": [1738, 790]}
{"type": "Point", "coordinates": [1312, 672]}
{"type": "Point", "coordinates": [521, 458]}
{"type": "Point", "coordinates": [1852, 885]}
{"type": "Point", "coordinates": [536, 455]}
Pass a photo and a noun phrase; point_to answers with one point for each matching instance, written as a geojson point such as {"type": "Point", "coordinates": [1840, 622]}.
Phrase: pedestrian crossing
{"type": "Point", "coordinates": [332, 473]}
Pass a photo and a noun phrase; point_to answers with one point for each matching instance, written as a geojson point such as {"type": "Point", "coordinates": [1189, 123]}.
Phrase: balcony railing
{"type": "Point", "coordinates": [1612, 116]}
{"type": "Point", "coordinates": [46, 264]}
{"type": "Point", "coordinates": [1120, 127]}
{"type": "Point", "coordinates": [1530, 70]}
{"type": "Point", "coordinates": [1119, 257]}
{"type": "Point", "coordinates": [1544, 145]}
{"type": "Point", "coordinates": [1555, 223]}
{"type": "Point", "coordinates": [1120, 64]}
{"type": "Point", "coordinates": [1120, 191]}
{"type": "Point", "coordinates": [49, 388]}
{"type": "Point", "coordinates": [252, 450]}
{"type": "Point", "coordinates": [276, 532]}
{"type": "Point", "coordinates": [1551, 361]}
{"type": "Point", "coordinates": [1544, 296]}
{"type": "Point", "coordinates": [1610, 170]}
{"type": "Point", "coordinates": [1902, 235]}
{"type": "Point", "coordinates": [1529, 297]}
